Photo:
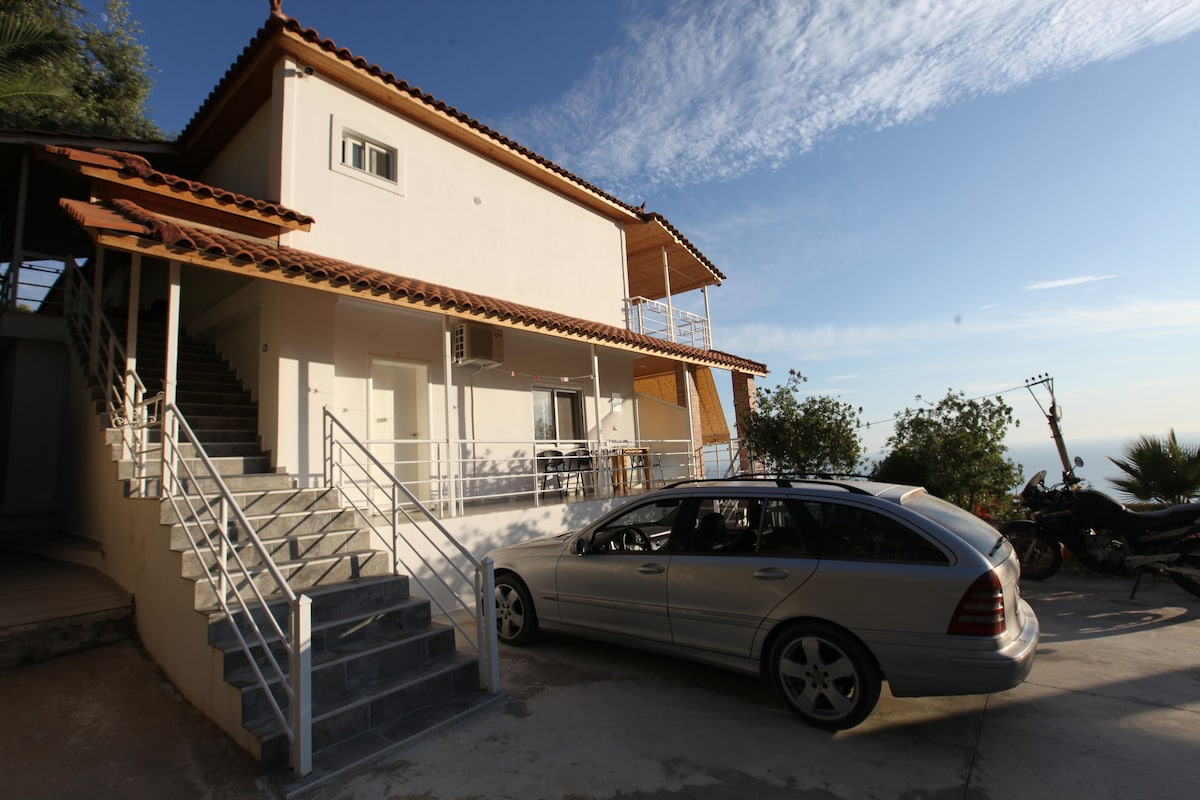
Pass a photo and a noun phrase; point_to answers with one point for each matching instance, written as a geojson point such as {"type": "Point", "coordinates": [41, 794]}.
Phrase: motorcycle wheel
{"type": "Point", "coordinates": [1040, 556]}
{"type": "Point", "coordinates": [1190, 558]}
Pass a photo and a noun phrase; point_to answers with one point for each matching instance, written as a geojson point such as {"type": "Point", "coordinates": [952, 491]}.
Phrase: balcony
{"type": "Point", "coordinates": [489, 475]}
{"type": "Point", "coordinates": [662, 321]}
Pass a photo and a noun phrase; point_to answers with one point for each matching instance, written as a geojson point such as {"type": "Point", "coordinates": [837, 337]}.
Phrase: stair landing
{"type": "Point", "coordinates": [50, 608]}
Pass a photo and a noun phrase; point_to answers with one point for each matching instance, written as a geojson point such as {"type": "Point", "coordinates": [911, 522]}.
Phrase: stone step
{"type": "Point", "coordinates": [358, 628]}
{"type": "Point", "coordinates": [299, 575]}
{"type": "Point", "coordinates": [269, 500]}
{"type": "Point", "coordinates": [226, 466]}
{"type": "Point", "coordinates": [279, 549]}
{"type": "Point", "coordinates": [331, 605]}
{"type": "Point", "coordinates": [230, 446]}
{"type": "Point", "coordinates": [279, 526]}
{"type": "Point", "coordinates": [237, 484]}
{"type": "Point", "coordinates": [188, 395]}
{"type": "Point", "coordinates": [375, 706]}
{"type": "Point", "coordinates": [340, 672]}
{"type": "Point", "coordinates": [343, 761]}
{"type": "Point", "coordinates": [193, 410]}
{"type": "Point", "coordinates": [221, 422]}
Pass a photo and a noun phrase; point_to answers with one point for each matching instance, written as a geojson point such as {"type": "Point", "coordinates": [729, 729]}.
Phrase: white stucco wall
{"type": "Point", "coordinates": [452, 217]}
{"type": "Point", "coordinates": [243, 165]}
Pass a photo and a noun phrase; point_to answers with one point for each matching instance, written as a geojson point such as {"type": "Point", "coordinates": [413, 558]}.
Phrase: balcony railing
{"type": "Point", "coordinates": [480, 475]}
{"type": "Point", "coordinates": [655, 318]}
{"type": "Point", "coordinates": [26, 284]}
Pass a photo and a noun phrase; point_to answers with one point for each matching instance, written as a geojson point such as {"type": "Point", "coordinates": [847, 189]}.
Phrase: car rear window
{"type": "Point", "coordinates": [970, 528]}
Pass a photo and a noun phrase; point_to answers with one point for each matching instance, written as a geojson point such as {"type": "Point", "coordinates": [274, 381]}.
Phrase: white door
{"type": "Point", "coordinates": [399, 421]}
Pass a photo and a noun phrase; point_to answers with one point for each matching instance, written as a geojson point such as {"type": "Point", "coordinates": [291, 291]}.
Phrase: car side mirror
{"type": "Point", "coordinates": [581, 546]}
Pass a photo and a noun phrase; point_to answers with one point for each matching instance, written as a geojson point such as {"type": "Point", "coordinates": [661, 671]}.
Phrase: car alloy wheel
{"type": "Point", "coordinates": [516, 620]}
{"type": "Point", "coordinates": [824, 675]}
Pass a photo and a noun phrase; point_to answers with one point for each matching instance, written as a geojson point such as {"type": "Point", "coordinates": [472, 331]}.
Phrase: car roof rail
{"type": "Point", "coordinates": [783, 479]}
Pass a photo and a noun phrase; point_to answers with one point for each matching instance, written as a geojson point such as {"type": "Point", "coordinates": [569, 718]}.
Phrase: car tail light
{"type": "Point", "coordinates": [981, 610]}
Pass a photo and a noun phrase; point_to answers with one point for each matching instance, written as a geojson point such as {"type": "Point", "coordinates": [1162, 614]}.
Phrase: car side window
{"type": "Point", "coordinates": [639, 529]}
{"type": "Point", "coordinates": [721, 525]}
{"type": "Point", "coordinates": [850, 532]}
{"type": "Point", "coordinates": [788, 529]}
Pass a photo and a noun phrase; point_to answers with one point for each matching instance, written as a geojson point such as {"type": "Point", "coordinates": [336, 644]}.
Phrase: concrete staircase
{"type": "Point", "coordinates": [383, 672]}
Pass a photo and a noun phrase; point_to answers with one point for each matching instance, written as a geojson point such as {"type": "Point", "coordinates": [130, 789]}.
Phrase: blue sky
{"type": "Point", "coordinates": [907, 197]}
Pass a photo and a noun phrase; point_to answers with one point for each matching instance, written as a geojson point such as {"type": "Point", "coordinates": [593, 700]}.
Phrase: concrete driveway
{"type": "Point", "coordinates": [1111, 709]}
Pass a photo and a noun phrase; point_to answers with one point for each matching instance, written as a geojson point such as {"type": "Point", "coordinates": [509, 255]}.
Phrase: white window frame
{"type": "Point", "coordinates": [342, 132]}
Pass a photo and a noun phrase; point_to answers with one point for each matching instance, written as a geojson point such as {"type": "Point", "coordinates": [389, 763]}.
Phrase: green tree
{"type": "Point", "coordinates": [955, 449]}
{"type": "Point", "coordinates": [28, 47]}
{"type": "Point", "coordinates": [816, 435]}
{"type": "Point", "coordinates": [92, 80]}
{"type": "Point", "coordinates": [1159, 470]}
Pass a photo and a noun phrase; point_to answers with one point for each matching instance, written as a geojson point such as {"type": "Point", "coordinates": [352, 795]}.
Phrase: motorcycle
{"type": "Point", "coordinates": [1100, 532]}
{"type": "Point", "coordinates": [1104, 535]}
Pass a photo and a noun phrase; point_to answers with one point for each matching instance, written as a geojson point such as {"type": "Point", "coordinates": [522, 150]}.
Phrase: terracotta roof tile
{"type": "Point", "coordinates": [126, 216]}
{"type": "Point", "coordinates": [136, 166]}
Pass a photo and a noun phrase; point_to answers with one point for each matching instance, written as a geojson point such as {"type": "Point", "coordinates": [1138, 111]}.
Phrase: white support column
{"type": "Point", "coordinates": [132, 396]}
{"type": "Point", "coordinates": [596, 396]}
{"type": "Point", "coordinates": [170, 378]}
{"type": "Point", "coordinates": [131, 333]}
{"type": "Point", "coordinates": [688, 382]}
{"type": "Point", "coordinates": [94, 336]}
{"type": "Point", "coordinates": [12, 286]}
{"type": "Point", "coordinates": [171, 368]}
{"type": "Point", "coordinates": [667, 290]}
{"type": "Point", "coordinates": [708, 336]}
{"type": "Point", "coordinates": [601, 477]}
{"type": "Point", "coordinates": [453, 435]}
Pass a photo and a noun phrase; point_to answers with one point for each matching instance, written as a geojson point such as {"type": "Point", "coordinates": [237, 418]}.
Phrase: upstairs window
{"type": "Point", "coordinates": [361, 153]}
{"type": "Point", "coordinates": [359, 149]}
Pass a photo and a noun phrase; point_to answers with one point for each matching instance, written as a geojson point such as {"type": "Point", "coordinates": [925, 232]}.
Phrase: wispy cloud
{"type": "Point", "coordinates": [714, 88]}
{"type": "Point", "coordinates": [827, 342]}
{"type": "Point", "coordinates": [1077, 281]}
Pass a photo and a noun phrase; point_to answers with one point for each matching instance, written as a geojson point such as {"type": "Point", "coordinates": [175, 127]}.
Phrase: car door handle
{"type": "Point", "coordinates": [771, 574]}
{"type": "Point", "coordinates": [652, 569]}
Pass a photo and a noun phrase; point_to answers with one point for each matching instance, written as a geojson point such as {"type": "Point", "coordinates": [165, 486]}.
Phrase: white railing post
{"type": "Point", "coordinates": [223, 554]}
{"type": "Point", "coordinates": [395, 520]}
{"type": "Point", "coordinates": [167, 476]}
{"type": "Point", "coordinates": [299, 673]}
{"type": "Point", "coordinates": [485, 593]}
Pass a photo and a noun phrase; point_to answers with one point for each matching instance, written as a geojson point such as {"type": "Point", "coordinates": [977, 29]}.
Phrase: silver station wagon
{"type": "Point", "coordinates": [823, 587]}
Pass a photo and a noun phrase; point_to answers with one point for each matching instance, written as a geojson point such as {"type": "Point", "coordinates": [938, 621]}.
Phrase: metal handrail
{"type": "Point", "coordinates": [381, 498]}
{"type": "Point", "coordinates": [213, 537]}
{"type": "Point", "coordinates": [208, 517]}
{"type": "Point", "coordinates": [129, 410]}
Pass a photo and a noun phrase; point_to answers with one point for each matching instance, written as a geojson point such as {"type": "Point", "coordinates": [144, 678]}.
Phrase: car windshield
{"type": "Point", "coordinates": [655, 520]}
{"type": "Point", "coordinates": [970, 528]}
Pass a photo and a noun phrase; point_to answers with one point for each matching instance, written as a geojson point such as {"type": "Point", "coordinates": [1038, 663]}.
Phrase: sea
{"type": "Point", "coordinates": [1096, 470]}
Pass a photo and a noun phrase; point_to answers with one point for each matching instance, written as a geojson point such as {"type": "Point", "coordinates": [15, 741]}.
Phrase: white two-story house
{"type": "Point", "coordinates": [364, 265]}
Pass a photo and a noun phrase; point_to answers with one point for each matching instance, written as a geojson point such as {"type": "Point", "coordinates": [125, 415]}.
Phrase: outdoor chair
{"type": "Point", "coordinates": [550, 466]}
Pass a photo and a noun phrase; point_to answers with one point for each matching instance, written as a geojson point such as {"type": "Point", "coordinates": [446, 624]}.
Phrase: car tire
{"type": "Point", "coordinates": [824, 675]}
{"type": "Point", "coordinates": [516, 619]}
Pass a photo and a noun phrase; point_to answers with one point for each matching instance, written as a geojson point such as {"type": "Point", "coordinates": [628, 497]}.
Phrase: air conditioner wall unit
{"type": "Point", "coordinates": [478, 344]}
